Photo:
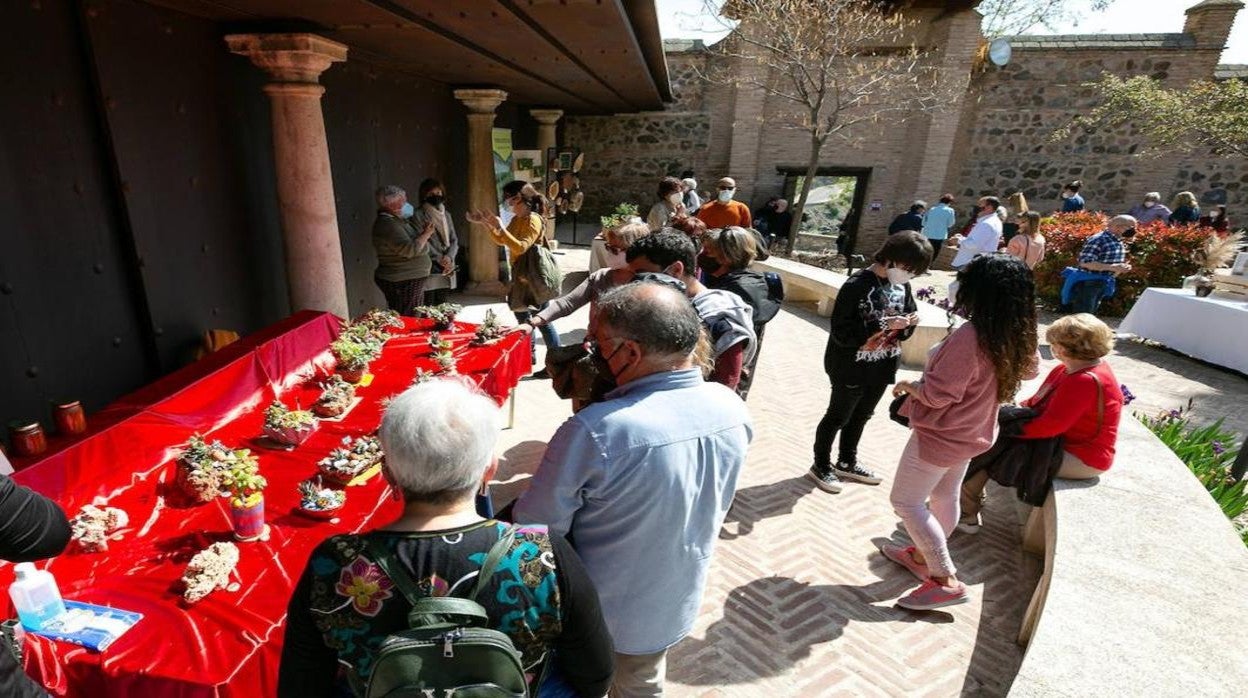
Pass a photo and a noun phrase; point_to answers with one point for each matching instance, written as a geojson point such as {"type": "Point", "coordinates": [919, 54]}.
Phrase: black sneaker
{"type": "Point", "coordinates": [541, 375]}
{"type": "Point", "coordinates": [857, 473]}
{"type": "Point", "coordinates": [824, 478]}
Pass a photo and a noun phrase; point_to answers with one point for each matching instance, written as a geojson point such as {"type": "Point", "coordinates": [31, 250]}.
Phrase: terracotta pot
{"type": "Point", "coordinates": [354, 375]}
{"type": "Point", "coordinates": [248, 520]}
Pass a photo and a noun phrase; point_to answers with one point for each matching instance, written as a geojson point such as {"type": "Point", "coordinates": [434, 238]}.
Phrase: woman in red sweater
{"type": "Point", "coordinates": [1071, 405]}
{"type": "Point", "coordinates": [953, 417]}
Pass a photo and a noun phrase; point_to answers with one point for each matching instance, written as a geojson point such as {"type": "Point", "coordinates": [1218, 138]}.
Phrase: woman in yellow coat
{"type": "Point", "coordinates": [524, 231]}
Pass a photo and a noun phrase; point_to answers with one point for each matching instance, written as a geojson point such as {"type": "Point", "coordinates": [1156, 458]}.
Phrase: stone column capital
{"type": "Point", "coordinates": [289, 57]}
{"type": "Point", "coordinates": [481, 101]}
{"type": "Point", "coordinates": [546, 117]}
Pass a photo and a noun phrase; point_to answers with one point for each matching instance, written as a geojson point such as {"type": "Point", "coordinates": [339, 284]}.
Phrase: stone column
{"type": "Point", "coordinates": [305, 187]}
{"type": "Point", "coordinates": [482, 190]}
{"type": "Point", "coordinates": [547, 124]}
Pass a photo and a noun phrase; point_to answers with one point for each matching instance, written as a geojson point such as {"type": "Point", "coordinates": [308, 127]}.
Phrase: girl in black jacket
{"type": "Point", "coordinates": [873, 313]}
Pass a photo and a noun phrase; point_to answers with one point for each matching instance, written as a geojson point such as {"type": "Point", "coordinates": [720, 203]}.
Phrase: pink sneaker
{"type": "Point", "coordinates": [904, 556]}
{"type": "Point", "coordinates": [932, 594]}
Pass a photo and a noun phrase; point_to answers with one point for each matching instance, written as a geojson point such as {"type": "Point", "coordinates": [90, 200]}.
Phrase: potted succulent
{"type": "Point", "coordinates": [200, 468]}
{"type": "Point", "coordinates": [336, 397]}
{"type": "Point", "coordinates": [443, 316]}
{"type": "Point", "coordinates": [489, 331]}
{"type": "Point", "coordinates": [318, 501]}
{"type": "Point", "coordinates": [356, 458]}
{"type": "Point", "coordinates": [242, 479]}
{"type": "Point", "coordinates": [353, 357]}
{"type": "Point", "coordinates": [445, 361]}
{"type": "Point", "coordinates": [286, 426]}
{"type": "Point", "coordinates": [437, 344]}
{"type": "Point", "coordinates": [381, 320]}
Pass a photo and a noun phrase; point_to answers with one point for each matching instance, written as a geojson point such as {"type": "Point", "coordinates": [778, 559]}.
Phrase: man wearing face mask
{"type": "Point", "coordinates": [985, 235]}
{"type": "Point", "coordinates": [723, 211]}
{"type": "Point", "coordinates": [729, 321]}
{"type": "Point", "coordinates": [641, 485]}
{"type": "Point", "coordinates": [1100, 261]}
{"type": "Point", "coordinates": [403, 263]}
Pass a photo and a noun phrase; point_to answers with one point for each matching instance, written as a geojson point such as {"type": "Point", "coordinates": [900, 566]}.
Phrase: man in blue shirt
{"type": "Point", "coordinates": [937, 222]}
{"type": "Point", "coordinates": [1103, 256]}
{"type": "Point", "coordinates": [641, 482]}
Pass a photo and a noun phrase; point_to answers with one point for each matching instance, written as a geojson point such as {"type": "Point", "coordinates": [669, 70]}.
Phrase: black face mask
{"type": "Point", "coordinates": [1128, 233]}
{"type": "Point", "coordinates": [435, 199]}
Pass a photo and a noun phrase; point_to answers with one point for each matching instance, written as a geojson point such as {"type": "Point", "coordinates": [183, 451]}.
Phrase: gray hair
{"type": "Point", "coordinates": [690, 182]}
{"type": "Point", "coordinates": [388, 194]}
{"type": "Point", "coordinates": [1152, 196]}
{"type": "Point", "coordinates": [439, 437]}
{"type": "Point", "coordinates": [661, 319]}
{"type": "Point", "coordinates": [1123, 222]}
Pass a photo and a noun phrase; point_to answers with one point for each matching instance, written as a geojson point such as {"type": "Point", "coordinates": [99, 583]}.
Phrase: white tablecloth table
{"type": "Point", "coordinates": [1213, 329]}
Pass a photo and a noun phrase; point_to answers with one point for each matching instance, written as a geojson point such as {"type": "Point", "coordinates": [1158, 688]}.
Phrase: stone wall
{"type": "Point", "coordinates": [627, 154]}
{"type": "Point", "coordinates": [1018, 108]}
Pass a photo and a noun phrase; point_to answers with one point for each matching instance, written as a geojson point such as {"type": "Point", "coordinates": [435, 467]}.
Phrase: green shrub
{"type": "Point", "coordinates": [1208, 452]}
{"type": "Point", "coordinates": [1159, 256]}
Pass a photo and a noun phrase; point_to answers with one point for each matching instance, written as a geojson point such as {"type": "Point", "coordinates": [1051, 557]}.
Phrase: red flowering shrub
{"type": "Point", "coordinates": [1159, 256]}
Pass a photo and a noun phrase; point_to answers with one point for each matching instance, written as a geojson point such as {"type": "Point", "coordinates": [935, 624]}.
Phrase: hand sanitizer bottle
{"type": "Point", "coordinates": [35, 596]}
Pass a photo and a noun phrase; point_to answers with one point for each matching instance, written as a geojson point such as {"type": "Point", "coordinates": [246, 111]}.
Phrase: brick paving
{"type": "Point", "coordinates": [799, 603]}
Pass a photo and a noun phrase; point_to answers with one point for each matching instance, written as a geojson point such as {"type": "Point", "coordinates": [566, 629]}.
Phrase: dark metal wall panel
{"type": "Point", "coordinates": [67, 301]}
{"type": "Point", "coordinates": [176, 117]}
{"type": "Point", "coordinates": [386, 127]}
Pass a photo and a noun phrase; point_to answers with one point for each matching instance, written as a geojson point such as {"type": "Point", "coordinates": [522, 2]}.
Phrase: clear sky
{"type": "Point", "coordinates": [680, 19]}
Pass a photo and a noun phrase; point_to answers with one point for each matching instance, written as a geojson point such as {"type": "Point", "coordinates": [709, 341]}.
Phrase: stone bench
{"type": "Point", "coordinates": [806, 283]}
{"type": "Point", "coordinates": [1145, 584]}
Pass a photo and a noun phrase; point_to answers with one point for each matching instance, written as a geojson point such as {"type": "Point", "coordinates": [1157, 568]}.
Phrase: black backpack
{"type": "Point", "coordinates": [448, 650]}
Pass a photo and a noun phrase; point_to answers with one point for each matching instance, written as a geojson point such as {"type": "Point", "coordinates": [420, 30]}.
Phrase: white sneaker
{"type": "Point", "coordinates": [969, 523]}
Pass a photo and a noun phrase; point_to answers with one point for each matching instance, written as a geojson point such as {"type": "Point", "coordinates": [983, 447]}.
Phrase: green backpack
{"type": "Point", "coordinates": [448, 652]}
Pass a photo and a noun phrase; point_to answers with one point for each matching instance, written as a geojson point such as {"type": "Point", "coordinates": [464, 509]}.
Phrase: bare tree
{"type": "Point", "coordinates": [1012, 17]}
{"type": "Point", "coordinates": [835, 67]}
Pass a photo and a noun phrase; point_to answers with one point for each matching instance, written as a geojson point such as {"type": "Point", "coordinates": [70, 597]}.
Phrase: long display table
{"type": "Point", "coordinates": [229, 643]}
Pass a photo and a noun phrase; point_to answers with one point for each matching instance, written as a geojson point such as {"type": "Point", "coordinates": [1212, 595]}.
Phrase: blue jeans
{"type": "Point", "coordinates": [549, 335]}
{"type": "Point", "coordinates": [1085, 296]}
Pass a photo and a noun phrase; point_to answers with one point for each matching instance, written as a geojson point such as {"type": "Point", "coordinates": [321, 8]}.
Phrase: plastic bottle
{"type": "Point", "coordinates": [35, 596]}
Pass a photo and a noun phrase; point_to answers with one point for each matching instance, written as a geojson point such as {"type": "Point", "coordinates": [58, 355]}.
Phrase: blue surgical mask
{"type": "Point", "coordinates": [725, 195]}
{"type": "Point", "coordinates": [408, 210]}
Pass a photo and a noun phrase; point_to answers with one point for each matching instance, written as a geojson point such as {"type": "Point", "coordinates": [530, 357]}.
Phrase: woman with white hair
{"type": "Point", "coordinates": [403, 263]}
{"type": "Point", "coordinates": [1151, 209]}
{"type": "Point", "coordinates": [439, 438]}
{"type": "Point", "coordinates": [1186, 210]}
{"type": "Point", "coordinates": [692, 201]}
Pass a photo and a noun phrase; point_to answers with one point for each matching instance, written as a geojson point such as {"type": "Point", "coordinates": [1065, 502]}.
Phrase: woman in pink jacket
{"type": "Point", "coordinates": [953, 417]}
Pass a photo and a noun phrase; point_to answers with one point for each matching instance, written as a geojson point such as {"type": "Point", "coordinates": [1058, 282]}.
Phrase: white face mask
{"type": "Point", "coordinates": [898, 277]}
{"type": "Point", "coordinates": [725, 195]}
{"type": "Point", "coordinates": [674, 199]}
{"type": "Point", "coordinates": [1066, 195]}
{"type": "Point", "coordinates": [1149, 204]}
{"type": "Point", "coordinates": [1213, 215]}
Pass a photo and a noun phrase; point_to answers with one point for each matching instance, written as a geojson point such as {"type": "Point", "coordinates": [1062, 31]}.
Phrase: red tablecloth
{"type": "Point", "coordinates": [229, 643]}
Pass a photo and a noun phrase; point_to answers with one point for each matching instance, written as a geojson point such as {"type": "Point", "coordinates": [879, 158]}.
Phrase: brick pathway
{"type": "Point", "coordinates": [799, 603]}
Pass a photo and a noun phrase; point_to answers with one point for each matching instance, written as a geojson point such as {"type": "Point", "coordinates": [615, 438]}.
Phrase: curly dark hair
{"type": "Point", "coordinates": [997, 294]}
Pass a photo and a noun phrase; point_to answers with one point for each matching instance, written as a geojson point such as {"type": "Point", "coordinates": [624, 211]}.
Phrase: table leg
{"type": "Point", "coordinates": [511, 412]}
